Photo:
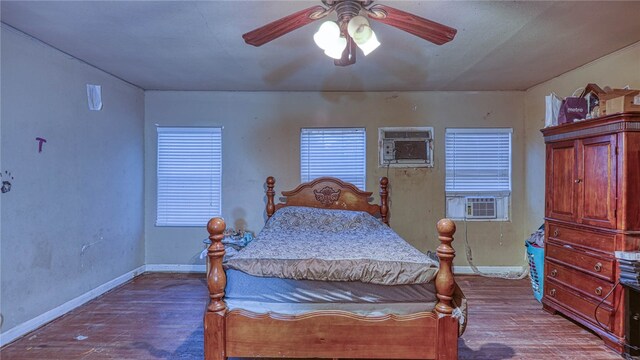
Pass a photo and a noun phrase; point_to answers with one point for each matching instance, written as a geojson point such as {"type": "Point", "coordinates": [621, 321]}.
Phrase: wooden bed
{"type": "Point", "coordinates": [327, 333]}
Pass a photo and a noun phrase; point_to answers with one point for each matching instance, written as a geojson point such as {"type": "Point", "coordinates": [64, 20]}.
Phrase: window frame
{"type": "Point", "coordinates": [216, 162]}
{"type": "Point", "coordinates": [503, 197]}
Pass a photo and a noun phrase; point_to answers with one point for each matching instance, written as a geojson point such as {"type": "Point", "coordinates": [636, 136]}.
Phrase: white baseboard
{"type": "Point", "coordinates": [176, 268]}
{"type": "Point", "coordinates": [30, 325]}
{"type": "Point", "coordinates": [466, 270]}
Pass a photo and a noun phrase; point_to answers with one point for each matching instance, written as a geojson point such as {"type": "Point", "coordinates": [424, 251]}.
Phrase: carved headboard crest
{"type": "Point", "coordinates": [327, 195]}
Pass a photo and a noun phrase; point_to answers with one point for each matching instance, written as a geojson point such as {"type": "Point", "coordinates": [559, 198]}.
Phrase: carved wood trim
{"type": "Point", "coordinates": [330, 313]}
{"type": "Point", "coordinates": [593, 127]}
{"type": "Point", "coordinates": [327, 195]}
{"type": "Point", "coordinates": [330, 193]}
{"type": "Point", "coordinates": [339, 183]}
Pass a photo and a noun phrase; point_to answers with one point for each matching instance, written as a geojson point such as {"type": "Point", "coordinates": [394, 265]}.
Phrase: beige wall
{"type": "Point", "coordinates": [616, 70]}
{"type": "Point", "coordinates": [261, 138]}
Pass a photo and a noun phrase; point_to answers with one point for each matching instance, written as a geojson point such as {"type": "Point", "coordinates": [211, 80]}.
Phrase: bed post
{"type": "Point", "coordinates": [384, 200]}
{"type": "Point", "coordinates": [214, 318]}
{"type": "Point", "coordinates": [271, 207]}
{"type": "Point", "coordinates": [445, 286]}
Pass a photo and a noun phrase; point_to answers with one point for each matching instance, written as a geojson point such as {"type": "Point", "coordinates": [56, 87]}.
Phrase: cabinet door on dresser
{"type": "Point", "coordinates": [560, 181]}
{"type": "Point", "coordinates": [597, 181]}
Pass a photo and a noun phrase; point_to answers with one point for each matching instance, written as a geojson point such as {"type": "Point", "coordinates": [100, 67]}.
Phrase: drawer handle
{"type": "Point", "coordinates": [598, 267]}
{"type": "Point", "coordinates": [599, 291]}
{"type": "Point", "coordinates": [556, 232]}
{"type": "Point", "coordinates": [578, 181]}
{"type": "Point", "coordinates": [552, 292]}
{"type": "Point", "coordinates": [554, 273]}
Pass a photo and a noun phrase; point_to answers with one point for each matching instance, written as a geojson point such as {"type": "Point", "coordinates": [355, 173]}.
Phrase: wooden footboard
{"type": "Point", "coordinates": [330, 334]}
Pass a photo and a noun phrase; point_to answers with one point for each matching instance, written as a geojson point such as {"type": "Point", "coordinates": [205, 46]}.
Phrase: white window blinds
{"type": "Point", "coordinates": [337, 152]}
{"type": "Point", "coordinates": [189, 175]}
{"type": "Point", "coordinates": [478, 160]}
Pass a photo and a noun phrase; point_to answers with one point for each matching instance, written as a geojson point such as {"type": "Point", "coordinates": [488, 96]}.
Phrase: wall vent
{"type": "Point", "coordinates": [406, 147]}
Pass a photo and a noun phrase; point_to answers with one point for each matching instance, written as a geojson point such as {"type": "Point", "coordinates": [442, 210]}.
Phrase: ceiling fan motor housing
{"type": "Point", "coordinates": [347, 9]}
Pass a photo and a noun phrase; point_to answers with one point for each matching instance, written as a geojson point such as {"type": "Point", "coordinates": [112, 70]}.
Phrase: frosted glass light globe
{"type": "Point", "coordinates": [359, 29]}
{"type": "Point", "coordinates": [337, 47]}
{"type": "Point", "coordinates": [370, 45]}
{"type": "Point", "coordinates": [326, 34]}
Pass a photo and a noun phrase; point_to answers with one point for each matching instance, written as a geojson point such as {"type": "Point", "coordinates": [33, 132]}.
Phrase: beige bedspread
{"type": "Point", "coordinates": [333, 245]}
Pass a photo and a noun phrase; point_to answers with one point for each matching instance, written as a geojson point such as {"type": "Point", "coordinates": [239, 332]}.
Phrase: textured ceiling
{"type": "Point", "coordinates": [188, 45]}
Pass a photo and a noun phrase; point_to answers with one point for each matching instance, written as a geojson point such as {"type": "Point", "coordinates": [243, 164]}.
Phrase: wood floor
{"type": "Point", "coordinates": [159, 316]}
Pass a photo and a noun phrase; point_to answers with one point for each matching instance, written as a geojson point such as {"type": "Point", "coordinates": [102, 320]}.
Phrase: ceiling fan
{"type": "Point", "coordinates": [339, 39]}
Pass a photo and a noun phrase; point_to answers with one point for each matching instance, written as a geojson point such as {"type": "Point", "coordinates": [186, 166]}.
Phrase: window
{"type": "Point", "coordinates": [337, 152]}
{"type": "Point", "coordinates": [478, 173]}
{"type": "Point", "coordinates": [189, 175]}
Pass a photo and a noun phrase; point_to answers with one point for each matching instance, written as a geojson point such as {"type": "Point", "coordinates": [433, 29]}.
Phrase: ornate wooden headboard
{"type": "Point", "coordinates": [330, 193]}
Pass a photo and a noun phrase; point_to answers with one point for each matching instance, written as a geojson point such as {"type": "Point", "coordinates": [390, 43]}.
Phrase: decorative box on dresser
{"type": "Point", "coordinates": [592, 208]}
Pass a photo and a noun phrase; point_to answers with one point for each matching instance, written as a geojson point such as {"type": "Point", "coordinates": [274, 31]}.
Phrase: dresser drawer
{"type": "Point", "coordinates": [598, 266]}
{"type": "Point", "coordinates": [579, 305]}
{"type": "Point", "coordinates": [584, 238]}
{"type": "Point", "coordinates": [579, 282]}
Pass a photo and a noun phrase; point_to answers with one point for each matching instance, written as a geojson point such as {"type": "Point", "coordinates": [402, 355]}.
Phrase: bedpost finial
{"type": "Point", "coordinates": [216, 278]}
{"type": "Point", "coordinates": [445, 284]}
{"type": "Point", "coordinates": [271, 180]}
{"type": "Point", "coordinates": [446, 227]}
{"type": "Point", "coordinates": [216, 226]}
{"type": "Point", "coordinates": [384, 200]}
{"type": "Point", "coordinates": [271, 206]}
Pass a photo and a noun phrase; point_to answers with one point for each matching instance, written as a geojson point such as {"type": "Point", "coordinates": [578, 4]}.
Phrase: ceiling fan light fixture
{"type": "Point", "coordinates": [370, 45]}
{"type": "Point", "coordinates": [327, 34]}
{"type": "Point", "coordinates": [362, 34]}
{"type": "Point", "coordinates": [359, 29]}
{"type": "Point", "coordinates": [350, 22]}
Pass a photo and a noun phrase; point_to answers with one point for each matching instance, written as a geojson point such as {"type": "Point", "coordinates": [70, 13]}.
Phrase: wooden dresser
{"type": "Point", "coordinates": [592, 208]}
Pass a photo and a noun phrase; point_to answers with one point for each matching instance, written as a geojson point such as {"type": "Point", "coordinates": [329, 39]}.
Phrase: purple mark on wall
{"type": "Point", "coordinates": [40, 142]}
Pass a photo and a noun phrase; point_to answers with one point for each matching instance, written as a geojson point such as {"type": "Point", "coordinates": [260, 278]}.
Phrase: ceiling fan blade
{"type": "Point", "coordinates": [429, 30]}
{"type": "Point", "coordinates": [274, 30]}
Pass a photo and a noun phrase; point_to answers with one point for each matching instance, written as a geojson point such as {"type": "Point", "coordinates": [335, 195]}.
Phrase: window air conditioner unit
{"type": "Point", "coordinates": [405, 147]}
{"type": "Point", "coordinates": [481, 208]}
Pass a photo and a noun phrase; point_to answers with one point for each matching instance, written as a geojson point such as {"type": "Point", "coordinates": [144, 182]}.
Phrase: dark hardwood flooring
{"type": "Point", "coordinates": [159, 316]}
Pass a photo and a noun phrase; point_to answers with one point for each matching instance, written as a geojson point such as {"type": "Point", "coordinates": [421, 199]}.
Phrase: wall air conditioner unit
{"type": "Point", "coordinates": [405, 147]}
{"type": "Point", "coordinates": [481, 208]}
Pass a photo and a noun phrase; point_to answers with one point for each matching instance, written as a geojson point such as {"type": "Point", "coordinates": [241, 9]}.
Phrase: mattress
{"type": "Point", "coordinates": [292, 296]}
